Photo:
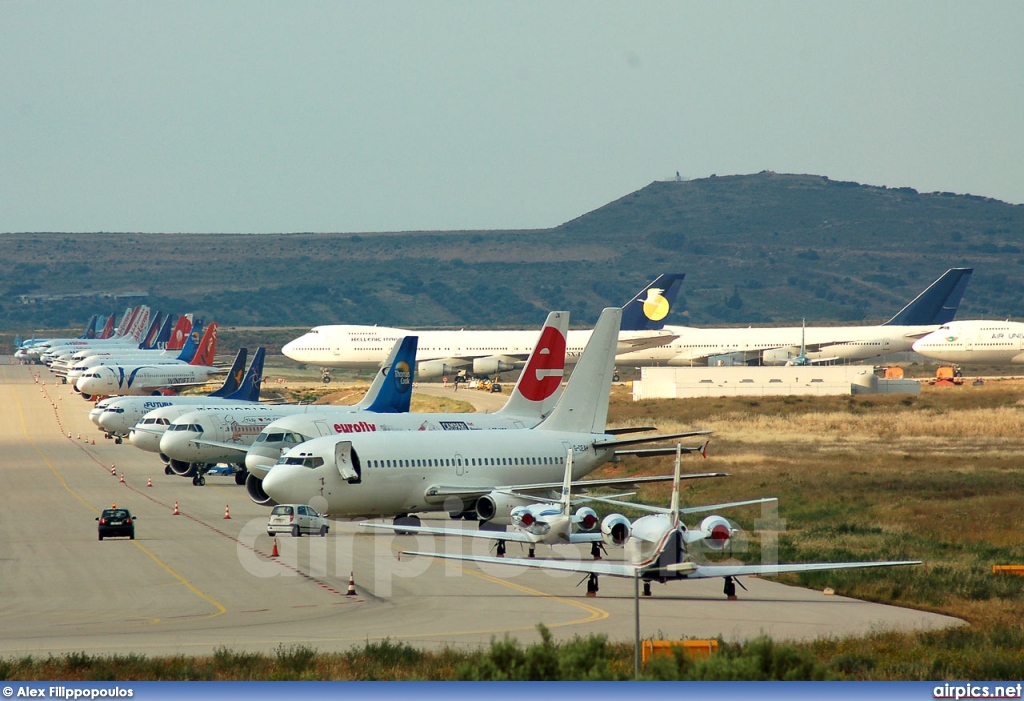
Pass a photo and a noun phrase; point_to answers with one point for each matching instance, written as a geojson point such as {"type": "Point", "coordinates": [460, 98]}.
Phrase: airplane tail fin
{"type": "Point", "coordinates": [108, 328]}
{"type": "Point", "coordinates": [583, 406]}
{"type": "Point", "coordinates": [165, 333]}
{"type": "Point", "coordinates": [90, 328]}
{"type": "Point", "coordinates": [179, 334]}
{"type": "Point", "coordinates": [648, 309]}
{"type": "Point", "coordinates": [126, 321]}
{"type": "Point", "coordinates": [139, 324]}
{"type": "Point", "coordinates": [234, 377]}
{"type": "Point", "coordinates": [207, 347]}
{"type": "Point", "coordinates": [394, 392]}
{"type": "Point", "coordinates": [249, 389]}
{"type": "Point", "coordinates": [191, 345]}
{"type": "Point", "coordinates": [536, 390]}
{"type": "Point", "coordinates": [937, 305]}
{"type": "Point", "coordinates": [566, 499]}
{"type": "Point", "coordinates": [674, 503]}
{"type": "Point", "coordinates": [149, 340]}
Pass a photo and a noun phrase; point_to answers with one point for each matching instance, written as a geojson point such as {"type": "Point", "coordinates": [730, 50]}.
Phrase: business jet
{"type": "Point", "coordinates": [447, 353]}
{"type": "Point", "coordinates": [152, 379]}
{"type": "Point", "coordinates": [117, 415]}
{"type": "Point", "coordinates": [657, 547]}
{"type": "Point", "coordinates": [935, 306]}
{"type": "Point", "coordinates": [396, 474]}
{"type": "Point", "coordinates": [970, 341]}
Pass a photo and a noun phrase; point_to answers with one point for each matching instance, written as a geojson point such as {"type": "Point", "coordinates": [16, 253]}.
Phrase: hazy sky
{"type": "Point", "coordinates": [249, 116]}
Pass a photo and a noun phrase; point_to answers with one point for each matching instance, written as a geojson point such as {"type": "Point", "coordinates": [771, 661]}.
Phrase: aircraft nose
{"type": "Point", "coordinates": [284, 485]}
{"type": "Point", "coordinates": [288, 349]}
{"type": "Point", "coordinates": [259, 460]}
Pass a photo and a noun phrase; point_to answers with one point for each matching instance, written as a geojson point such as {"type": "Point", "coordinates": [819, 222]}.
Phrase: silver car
{"type": "Point", "coordinates": [296, 519]}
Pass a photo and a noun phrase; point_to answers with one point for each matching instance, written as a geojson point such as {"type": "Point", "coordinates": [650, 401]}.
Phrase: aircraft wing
{"type": "Point", "coordinates": [594, 567]}
{"type": "Point", "coordinates": [652, 439]}
{"type": "Point", "coordinates": [707, 571]}
{"type": "Point", "coordinates": [436, 494]}
{"type": "Point", "coordinates": [629, 345]}
{"type": "Point", "coordinates": [239, 448]}
{"type": "Point", "coordinates": [514, 536]}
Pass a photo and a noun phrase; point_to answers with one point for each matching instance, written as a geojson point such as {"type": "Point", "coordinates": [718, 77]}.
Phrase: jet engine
{"type": "Point", "coordinates": [586, 519]}
{"type": "Point", "coordinates": [491, 366]}
{"type": "Point", "coordinates": [716, 532]}
{"type": "Point", "coordinates": [182, 468]}
{"type": "Point", "coordinates": [435, 368]}
{"type": "Point", "coordinates": [615, 529]}
{"type": "Point", "coordinates": [779, 356]}
{"type": "Point", "coordinates": [254, 488]}
{"type": "Point", "coordinates": [497, 507]}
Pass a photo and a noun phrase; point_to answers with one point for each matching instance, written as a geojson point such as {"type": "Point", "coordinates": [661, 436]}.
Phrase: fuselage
{"type": "Point", "coordinates": [137, 380]}
{"type": "Point", "coordinates": [405, 472]}
{"type": "Point", "coordinates": [149, 432]}
{"type": "Point", "coordinates": [972, 341]}
{"type": "Point", "coordinates": [118, 415]}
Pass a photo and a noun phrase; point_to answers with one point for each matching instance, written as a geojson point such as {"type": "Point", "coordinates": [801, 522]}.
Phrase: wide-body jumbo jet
{"type": "Point", "coordinates": [935, 306]}
{"type": "Point", "coordinates": [973, 341]}
{"type": "Point", "coordinates": [446, 353]}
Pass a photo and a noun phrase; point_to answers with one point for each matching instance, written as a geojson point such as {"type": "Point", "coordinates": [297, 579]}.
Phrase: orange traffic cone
{"type": "Point", "coordinates": [94, 441]}
{"type": "Point", "coordinates": [227, 511]}
{"type": "Point", "coordinates": [79, 436]}
{"type": "Point", "coordinates": [69, 434]}
{"type": "Point", "coordinates": [176, 512]}
{"type": "Point", "coordinates": [351, 584]}
{"type": "Point", "coordinates": [274, 553]}
{"type": "Point", "coordinates": [150, 482]}
{"type": "Point", "coordinates": [113, 470]}
{"type": "Point", "coordinates": [122, 478]}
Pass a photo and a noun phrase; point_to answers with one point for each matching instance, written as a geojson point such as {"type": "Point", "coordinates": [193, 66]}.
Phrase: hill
{"type": "Point", "coordinates": [756, 249]}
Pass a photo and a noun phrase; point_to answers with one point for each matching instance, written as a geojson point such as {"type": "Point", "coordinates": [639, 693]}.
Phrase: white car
{"type": "Point", "coordinates": [296, 519]}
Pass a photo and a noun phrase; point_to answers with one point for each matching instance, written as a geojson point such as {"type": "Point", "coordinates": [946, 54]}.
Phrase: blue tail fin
{"type": "Point", "coordinates": [191, 347]}
{"type": "Point", "coordinates": [165, 333]}
{"type": "Point", "coordinates": [90, 328]}
{"type": "Point", "coordinates": [249, 390]}
{"type": "Point", "coordinates": [936, 305]}
{"type": "Point", "coordinates": [234, 377]}
{"type": "Point", "coordinates": [647, 310]}
{"type": "Point", "coordinates": [395, 392]}
{"type": "Point", "coordinates": [149, 340]}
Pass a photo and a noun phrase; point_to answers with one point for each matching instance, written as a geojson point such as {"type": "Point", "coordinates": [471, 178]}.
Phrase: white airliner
{"type": "Point", "coordinates": [395, 474]}
{"type": "Point", "coordinates": [657, 549]}
{"type": "Point", "coordinates": [445, 353]}
{"type": "Point", "coordinates": [134, 330]}
{"type": "Point", "coordinates": [780, 346]}
{"type": "Point", "coordinates": [970, 341]}
{"type": "Point", "coordinates": [137, 380]}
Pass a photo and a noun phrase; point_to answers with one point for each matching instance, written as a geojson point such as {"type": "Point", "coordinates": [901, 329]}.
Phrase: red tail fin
{"type": "Point", "coordinates": [108, 328]}
{"type": "Point", "coordinates": [207, 347]}
{"type": "Point", "coordinates": [179, 333]}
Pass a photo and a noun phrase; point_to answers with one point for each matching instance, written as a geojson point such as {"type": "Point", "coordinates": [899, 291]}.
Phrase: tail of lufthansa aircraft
{"type": "Point", "coordinates": [394, 391]}
{"type": "Point", "coordinates": [537, 389]}
{"type": "Point", "coordinates": [207, 347]}
{"type": "Point", "coordinates": [648, 309]}
{"type": "Point", "coordinates": [234, 377]}
{"type": "Point", "coordinates": [583, 406]}
{"type": "Point", "coordinates": [937, 305]}
{"type": "Point", "coordinates": [249, 389]}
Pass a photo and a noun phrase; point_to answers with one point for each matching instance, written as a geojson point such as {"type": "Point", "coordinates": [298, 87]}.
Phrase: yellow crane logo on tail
{"type": "Point", "coordinates": [655, 306]}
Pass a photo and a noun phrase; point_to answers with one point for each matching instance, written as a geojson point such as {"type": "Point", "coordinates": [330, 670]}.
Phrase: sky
{"type": "Point", "coordinates": [311, 116]}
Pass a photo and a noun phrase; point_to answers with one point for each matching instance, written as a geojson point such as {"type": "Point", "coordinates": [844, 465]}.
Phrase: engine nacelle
{"type": "Point", "coordinates": [779, 356]}
{"type": "Point", "coordinates": [717, 532]}
{"type": "Point", "coordinates": [435, 368]}
{"type": "Point", "coordinates": [182, 468]}
{"type": "Point", "coordinates": [586, 519]}
{"type": "Point", "coordinates": [254, 488]}
{"type": "Point", "coordinates": [497, 507]}
{"type": "Point", "coordinates": [615, 529]}
{"type": "Point", "coordinates": [491, 366]}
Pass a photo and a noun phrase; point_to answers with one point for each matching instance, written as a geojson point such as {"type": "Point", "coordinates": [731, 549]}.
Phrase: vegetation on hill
{"type": "Point", "coordinates": [756, 249]}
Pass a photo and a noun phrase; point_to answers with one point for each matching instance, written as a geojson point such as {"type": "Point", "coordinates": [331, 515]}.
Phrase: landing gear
{"type": "Point", "coordinates": [595, 549]}
{"type": "Point", "coordinates": [118, 440]}
{"type": "Point", "coordinates": [406, 520]}
{"type": "Point", "coordinates": [199, 481]}
{"type": "Point", "coordinates": [325, 376]}
{"type": "Point", "coordinates": [501, 549]}
{"type": "Point", "coordinates": [241, 476]}
{"type": "Point", "coordinates": [730, 588]}
{"type": "Point", "coordinates": [532, 552]}
{"type": "Point", "coordinates": [647, 588]}
{"type": "Point", "coordinates": [592, 585]}
{"type": "Point", "coordinates": [168, 470]}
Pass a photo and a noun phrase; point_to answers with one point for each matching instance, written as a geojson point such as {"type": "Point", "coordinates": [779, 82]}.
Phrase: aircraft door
{"type": "Point", "coordinates": [322, 428]}
{"type": "Point", "coordinates": [346, 462]}
{"type": "Point", "coordinates": [460, 469]}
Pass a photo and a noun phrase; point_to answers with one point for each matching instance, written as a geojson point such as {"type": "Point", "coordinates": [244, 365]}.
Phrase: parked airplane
{"type": "Point", "coordinates": [777, 346]}
{"type": "Point", "coordinates": [446, 353]}
{"type": "Point", "coordinates": [532, 398]}
{"type": "Point", "coordinates": [117, 416]}
{"type": "Point", "coordinates": [70, 369]}
{"type": "Point", "coordinates": [657, 548]}
{"type": "Point", "coordinates": [201, 436]}
{"type": "Point", "coordinates": [32, 349]}
{"type": "Point", "coordinates": [135, 327]}
{"type": "Point", "coordinates": [547, 521]}
{"type": "Point", "coordinates": [972, 341]}
{"type": "Point", "coordinates": [149, 379]}
{"type": "Point", "coordinates": [395, 474]}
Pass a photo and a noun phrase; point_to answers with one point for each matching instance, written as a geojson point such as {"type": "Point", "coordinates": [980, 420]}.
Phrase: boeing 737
{"type": "Point", "coordinates": [396, 474]}
{"type": "Point", "coordinates": [935, 306]}
{"type": "Point", "coordinates": [970, 341]}
{"type": "Point", "coordinates": [445, 353]}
